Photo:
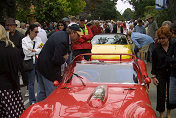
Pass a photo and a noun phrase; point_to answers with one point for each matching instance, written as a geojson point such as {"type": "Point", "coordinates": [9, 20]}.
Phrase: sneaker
{"type": "Point", "coordinates": [27, 93]}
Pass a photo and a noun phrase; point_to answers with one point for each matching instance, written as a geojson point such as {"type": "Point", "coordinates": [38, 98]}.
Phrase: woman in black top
{"type": "Point", "coordinates": [11, 102]}
{"type": "Point", "coordinates": [161, 70]}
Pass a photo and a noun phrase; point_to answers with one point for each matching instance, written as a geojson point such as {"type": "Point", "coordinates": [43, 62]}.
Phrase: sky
{"type": "Point", "coordinates": [121, 6]}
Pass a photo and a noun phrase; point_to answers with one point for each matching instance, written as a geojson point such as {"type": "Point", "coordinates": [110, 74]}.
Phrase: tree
{"type": "Point", "coordinates": [128, 14]}
{"type": "Point", "coordinates": [76, 6]}
{"type": "Point", "coordinates": [172, 10]}
{"type": "Point", "coordinates": [101, 9]}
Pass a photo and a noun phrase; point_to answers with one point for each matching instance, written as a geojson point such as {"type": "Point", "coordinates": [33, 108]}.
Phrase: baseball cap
{"type": "Point", "coordinates": [76, 28]}
{"type": "Point", "coordinates": [11, 21]}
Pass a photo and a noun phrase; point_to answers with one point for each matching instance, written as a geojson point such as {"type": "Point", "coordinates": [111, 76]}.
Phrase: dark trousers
{"type": "Point", "coordinates": [24, 78]}
{"type": "Point", "coordinates": [161, 93]}
{"type": "Point", "coordinates": [82, 51]}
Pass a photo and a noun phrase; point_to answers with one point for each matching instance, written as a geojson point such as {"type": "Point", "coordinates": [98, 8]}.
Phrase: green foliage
{"type": "Point", "coordinates": [51, 10]}
{"type": "Point", "coordinates": [23, 9]}
{"type": "Point", "coordinates": [101, 9]}
{"type": "Point", "coordinates": [128, 14]}
{"type": "Point", "coordinates": [76, 6]}
{"type": "Point", "coordinates": [139, 6]}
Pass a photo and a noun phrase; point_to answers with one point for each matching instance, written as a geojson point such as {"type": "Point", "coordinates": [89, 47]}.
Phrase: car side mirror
{"type": "Point", "coordinates": [147, 80]}
{"type": "Point", "coordinates": [56, 83]}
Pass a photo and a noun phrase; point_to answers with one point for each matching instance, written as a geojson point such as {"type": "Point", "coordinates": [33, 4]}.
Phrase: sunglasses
{"type": "Point", "coordinates": [162, 38]}
{"type": "Point", "coordinates": [36, 32]}
{"type": "Point", "coordinates": [60, 25]}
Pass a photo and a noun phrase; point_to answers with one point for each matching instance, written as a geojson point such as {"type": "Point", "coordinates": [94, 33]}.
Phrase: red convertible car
{"type": "Point", "coordinates": [98, 89]}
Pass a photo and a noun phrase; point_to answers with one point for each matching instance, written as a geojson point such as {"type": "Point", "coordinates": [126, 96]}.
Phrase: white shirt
{"type": "Point", "coordinates": [27, 44]}
{"type": "Point", "coordinates": [42, 34]}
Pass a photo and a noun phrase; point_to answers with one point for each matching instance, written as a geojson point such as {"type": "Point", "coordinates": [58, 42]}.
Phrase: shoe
{"type": "Point", "coordinates": [27, 93]}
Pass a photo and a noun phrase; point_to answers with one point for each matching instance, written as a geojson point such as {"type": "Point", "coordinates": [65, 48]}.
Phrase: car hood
{"type": "Point", "coordinates": [120, 102]}
{"type": "Point", "coordinates": [75, 103]}
{"type": "Point", "coordinates": [110, 48]}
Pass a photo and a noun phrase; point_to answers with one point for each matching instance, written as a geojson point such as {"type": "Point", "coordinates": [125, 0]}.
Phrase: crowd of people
{"type": "Point", "coordinates": [51, 47]}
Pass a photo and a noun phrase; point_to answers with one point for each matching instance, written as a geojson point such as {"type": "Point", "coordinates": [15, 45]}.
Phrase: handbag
{"type": "Point", "coordinates": [28, 64]}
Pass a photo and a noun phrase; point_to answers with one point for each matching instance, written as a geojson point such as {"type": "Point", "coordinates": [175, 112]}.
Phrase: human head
{"type": "Point", "coordinates": [73, 19]}
{"type": "Point", "coordinates": [3, 36]}
{"type": "Point", "coordinates": [22, 25]}
{"type": "Point", "coordinates": [82, 21]}
{"type": "Point", "coordinates": [97, 23]}
{"type": "Point", "coordinates": [32, 31]}
{"type": "Point", "coordinates": [75, 32]}
{"type": "Point", "coordinates": [164, 35]}
{"type": "Point", "coordinates": [139, 22]}
{"type": "Point", "coordinates": [167, 23]}
{"type": "Point", "coordinates": [149, 18]}
{"type": "Point", "coordinates": [61, 25]}
{"type": "Point", "coordinates": [27, 26]}
{"type": "Point", "coordinates": [37, 23]}
{"type": "Point", "coordinates": [66, 21]}
{"type": "Point", "coordinates": [118, 23]}
{"type": "Point", "coordinates": [11, 24]}
{"type": "Point", "coordinates": [17, 23]}
{"type": "Point", "coordinates": [131, 27]}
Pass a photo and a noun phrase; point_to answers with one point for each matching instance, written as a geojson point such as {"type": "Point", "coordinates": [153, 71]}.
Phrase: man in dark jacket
{"type": "Point", "coordinates": [52, 56]}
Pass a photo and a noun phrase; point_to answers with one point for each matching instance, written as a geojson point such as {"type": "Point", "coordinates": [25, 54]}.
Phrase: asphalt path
{"type": "Point", "coordinates": [152, 95]}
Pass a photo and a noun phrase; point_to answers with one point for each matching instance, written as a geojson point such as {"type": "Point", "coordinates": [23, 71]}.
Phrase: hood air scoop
{"type": "Point", "coordinates": [98, 97]}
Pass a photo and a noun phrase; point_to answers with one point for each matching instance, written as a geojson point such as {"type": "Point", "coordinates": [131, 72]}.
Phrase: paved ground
{"type": "Point", "coordinates": [152, 95]}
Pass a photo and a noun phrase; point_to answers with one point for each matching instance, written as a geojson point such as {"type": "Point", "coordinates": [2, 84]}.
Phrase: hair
{"type": "Point", "coordinates": [169, 23]}
{"type": "Point", "coordinates": [62, 22]}
{"type": "Point", "coordinates": [164, 31]}
{"type": "Point", "coordinates": [31, 28]}
{"type": "Point", "coordinates": [4, 37]}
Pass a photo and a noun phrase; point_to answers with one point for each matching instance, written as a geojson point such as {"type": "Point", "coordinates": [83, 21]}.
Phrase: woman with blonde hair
{"type": "Point", "coordinates": [11, 102]}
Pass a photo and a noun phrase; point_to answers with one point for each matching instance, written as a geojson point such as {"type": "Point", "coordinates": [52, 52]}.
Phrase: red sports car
{"type": "Point", "coordinates": [98, 89]}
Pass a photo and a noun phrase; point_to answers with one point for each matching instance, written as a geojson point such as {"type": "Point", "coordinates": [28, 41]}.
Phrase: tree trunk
{"type": "Point", "coordinates": [172, 9]}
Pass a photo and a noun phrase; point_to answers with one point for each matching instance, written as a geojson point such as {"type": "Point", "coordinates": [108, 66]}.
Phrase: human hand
{"type": "Point", "coordinates": [66, 56]}
{"type": "Point", "coordinates": [155, 81]}
{"type": "Point", "coordinates": [32, 50]}
{"type": "Point", "coordinates": [41, 45]}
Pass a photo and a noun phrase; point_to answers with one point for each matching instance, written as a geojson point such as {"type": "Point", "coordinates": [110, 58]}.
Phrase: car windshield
{"type": "Point", "coordinates": [107, 72]}
{"type": "Point", "coordinates": [109, 39]}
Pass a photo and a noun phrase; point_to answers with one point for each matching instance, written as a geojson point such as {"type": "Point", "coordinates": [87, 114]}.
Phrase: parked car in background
{"type": "Point", "coordinates": [98, 89]}
{"type": "Point", "coordinates": [111, 43]}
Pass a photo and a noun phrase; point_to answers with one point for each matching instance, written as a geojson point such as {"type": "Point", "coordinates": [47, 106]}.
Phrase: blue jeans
{"type": "Point", "coordinates": [46, 88]}
{"type": "Point", "coordinates": [69, 58]}
{"type": "Point", "coordinates": [172, 90]}
{"type": "Point", "coordinates": [31, 84]}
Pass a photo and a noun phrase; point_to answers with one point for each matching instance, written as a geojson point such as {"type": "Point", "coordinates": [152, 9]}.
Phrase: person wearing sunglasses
{"type": "Point", "coordinates": [161, 69]}
{"type": "Point", "coordinates": [61, 26]}
{"type": "Point", "coordinates": [32, 46]}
